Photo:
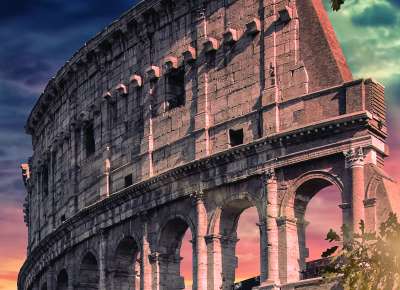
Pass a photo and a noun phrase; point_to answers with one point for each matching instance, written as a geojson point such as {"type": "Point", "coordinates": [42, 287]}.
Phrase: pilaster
{"type": "Point", "coordinates": [200, 279]}
{"type": "Point", "coordinates": [269, 235]}
{"type": "Point", "coordinates": [355, 187]}
{"type": "Point", "coordinates": [222, 261]}
{"type": "Point", "coordinates": [148, 259]}
{"type": "Point", "coordinates": [289, 255]}
{"type": "Point", "coordinates": [102, 260]}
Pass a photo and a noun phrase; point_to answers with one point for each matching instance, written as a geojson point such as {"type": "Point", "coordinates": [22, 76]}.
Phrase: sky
{"type": "Point", "coordinates": [37, 37]}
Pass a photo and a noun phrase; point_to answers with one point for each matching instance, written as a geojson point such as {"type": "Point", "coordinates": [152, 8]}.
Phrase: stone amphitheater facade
{"type": "Point", "coordinates": [182, 114]}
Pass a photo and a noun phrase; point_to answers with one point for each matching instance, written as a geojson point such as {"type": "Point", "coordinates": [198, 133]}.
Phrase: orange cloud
{"type": "Point", "coordinates": [13, 244]}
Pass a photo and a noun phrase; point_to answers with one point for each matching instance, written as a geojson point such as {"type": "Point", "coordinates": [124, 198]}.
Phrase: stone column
{"type": "Point", "coordinates": [200, 279]}
{"type": "Point", "coordinates": [269, 236]}
{"type": "Point", "coordinates": [72, 282]}
{"type": "Point", "coordinates": [152, 273]}
{"type": "Point", "coordinates": [355, 188]}
{"type": "Point", "coordinates": [222, 261]}
{"type": "Point", "coordinates": [149, 261]}
{"type": "Point", "coordinates": [51, 283]}
{"type": "Point", "coordinates": [214, 261]}
{"type": "Point", "coordinates": [102, 261]}
{"type": "Point", "coordinates": [289, 254]}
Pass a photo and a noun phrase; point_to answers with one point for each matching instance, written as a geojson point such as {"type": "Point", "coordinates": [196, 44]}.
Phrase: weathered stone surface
{"type": "Point", "coordinates": [147, 132]}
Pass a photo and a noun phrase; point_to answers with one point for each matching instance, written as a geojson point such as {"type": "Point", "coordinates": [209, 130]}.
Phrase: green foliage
{"type": "Point", "coordinates": [336, 4]}
{"type": "Point", "coordinates": [368, 261]}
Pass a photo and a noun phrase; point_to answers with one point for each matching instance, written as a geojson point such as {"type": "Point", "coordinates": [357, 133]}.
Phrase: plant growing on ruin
{"type": "Point", "coordinates": [336, 4]}
{"type": "Point", "coordinates": [368, 260]}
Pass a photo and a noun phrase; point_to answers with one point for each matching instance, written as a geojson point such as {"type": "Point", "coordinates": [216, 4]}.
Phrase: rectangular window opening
{"type": "Point", "coordinates": [45, 177]}
{"type": "Point", "coordinates": [128, 180]}
{"type": "Point", "coordinates": [175, 89]}
{"type": "Point", "coordinates": [89, 141]}
{"type": "Point", "coordinates": [235, 137]}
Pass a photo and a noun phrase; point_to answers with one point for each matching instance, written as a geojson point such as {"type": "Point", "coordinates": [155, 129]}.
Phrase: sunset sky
{"type": "Point", "coordinates": [38, 36]}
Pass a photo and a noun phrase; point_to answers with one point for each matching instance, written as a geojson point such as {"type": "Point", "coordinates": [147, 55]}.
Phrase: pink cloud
{"type": "Point", "coordinates": [13, 243]}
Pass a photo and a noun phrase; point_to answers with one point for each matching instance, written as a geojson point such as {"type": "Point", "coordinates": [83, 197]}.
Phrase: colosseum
{"type": "Point", "coordinates": [180, 115]}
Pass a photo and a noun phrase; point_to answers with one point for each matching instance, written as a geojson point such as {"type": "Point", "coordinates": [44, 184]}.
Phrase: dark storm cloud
{"type": "Point", "coordinates": [395, 2]}
{"type": "Point", "coordinates": [51, 15]}
{"type": "Point", "coordinates": [376, 15]}
{"type": "Point", "coordinates": [11, 185]}
{"type": "Point", "coordinates": [37, 37]}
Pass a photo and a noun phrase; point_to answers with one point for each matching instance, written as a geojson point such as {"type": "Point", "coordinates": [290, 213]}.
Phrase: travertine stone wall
{"type": "Point", "coordinates": [196, 98]}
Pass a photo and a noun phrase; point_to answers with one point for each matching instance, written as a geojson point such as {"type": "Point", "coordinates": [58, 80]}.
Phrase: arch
{"type": "Point", "coordinates": [62, 280]}
{"type": "Point", "coordinates": [89, 273]}
{"type": "Point", "coordinates": [239, 201]}
{"type": "Point", "coordinates": [293, 225]}
{"type": "Point", "coordinates": [169, 245]}
{"type": "Point", "coordinates": [307, 185]}
{"type": "Point", "coordinates": [222, 235]}
{"type": "Point", "coordinates": [372, 186]}
{"type": "Point", "coordinates": [176, 217]}
{"type": "Point", "coordinates": [127, 264]}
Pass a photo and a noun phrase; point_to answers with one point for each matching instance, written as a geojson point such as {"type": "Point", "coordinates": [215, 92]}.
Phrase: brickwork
{"type": "Point", "coordinates": [182, 114]}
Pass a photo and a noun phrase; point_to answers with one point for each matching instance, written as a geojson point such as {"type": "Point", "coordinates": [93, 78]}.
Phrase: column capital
{"type": "Point", "coordinates": [223, 239]}
{"type": "Point", "coordinates": [198, 196]}
{"type": "Point", "coordinates": [103, 233]}
{"type": "Point", "coordinates": [144, 216]}
{"type": "Point", "coordinates": [269, 176]}
{"type": "Point", "coordinates": [354, 157]}
{"type": "Point", "coordinates": [154, 257]}
{"type": "Point", "coordinates": [370, 202]}
{"type": "Point", "coordinates": [283, 221]}
{"type": "Point", "coordinates": [345, 205]}
{"type": "Point", "coordinates": [161, 257]}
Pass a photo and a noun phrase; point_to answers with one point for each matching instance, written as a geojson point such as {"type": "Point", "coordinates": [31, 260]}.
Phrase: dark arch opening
{"type": "Point", "coordinates": [317, 210]}
{"type": "Point", "coordinates": [170, 245]}
{"type": "Point", "coordinates": [62, 280]}
{"type": "Point", "coordinates": [238, 220]}
{"type": "Point", "coordinates": [89, 273]}
{"type": "Point", "coordinates": [44, 286]}
{"type": "Point", "coordinates": [127, 272]}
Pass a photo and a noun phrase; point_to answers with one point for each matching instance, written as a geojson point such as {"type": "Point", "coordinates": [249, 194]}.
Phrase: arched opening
{"type": "Point", "coordinates": [174, 272]}
{"type": "Point", "coordinates": [248, 249]}
{"type": "Point", "coordinates": [62, 280]}
{"type": "Point", "coordinates": [317, 210]}
{"type": "Point", "coordinates": [186, 253]}
{"type": "Point", "coordinates": [127, 272]}
{"type": "Point", "coordinates": [239, 239]}
{"type": "Point", "coordinates": [44, 286]}
{"type": "Point", "coordinates": [89, 273]}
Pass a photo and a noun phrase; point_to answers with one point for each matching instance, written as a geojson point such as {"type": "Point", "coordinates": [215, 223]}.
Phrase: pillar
{"type": "Point", "coordinates": [200, 279]}
{"type": "Point", "coordinates": [51, 279]}
{"type": "Point", "coordinates": [222, 261]}
{"type": "Point", "coordinates": [102, 261]}
{"type": "Point", "coordinates": [148, 261]}
{"type": "Point", "coordinates": [152, 274]}
{"type": "Point", "coordinates": [289, 252]}
{"type": "Point", "coordinates": [214, 261]}
{"type": "Point", "coordinates": [269, 236]}
{"type": "Point", "coordinates": [355, 188]}
{"type": "Point", "coordinates": [72, 282]}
